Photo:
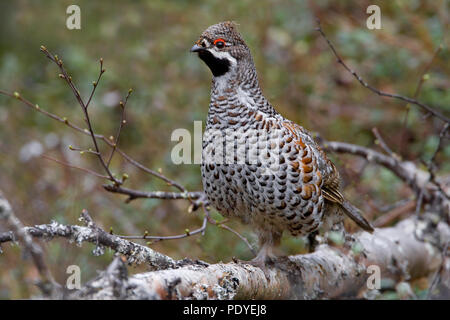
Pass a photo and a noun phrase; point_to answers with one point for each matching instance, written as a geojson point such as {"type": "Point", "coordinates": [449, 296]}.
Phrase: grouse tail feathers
{"type": "Point", "coordinates": [356, 215]}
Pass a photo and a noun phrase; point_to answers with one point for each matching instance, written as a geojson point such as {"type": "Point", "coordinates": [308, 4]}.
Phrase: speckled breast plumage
{"type": "Point", "coordinates": [282, 189]}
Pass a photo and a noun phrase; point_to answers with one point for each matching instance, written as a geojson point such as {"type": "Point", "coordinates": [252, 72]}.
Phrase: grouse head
{"type": "Point", "coordinates": [222, 48]}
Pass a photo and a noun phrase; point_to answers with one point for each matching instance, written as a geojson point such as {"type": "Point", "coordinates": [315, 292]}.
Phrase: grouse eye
{"type": "Point", "coordinates": [219, 43]}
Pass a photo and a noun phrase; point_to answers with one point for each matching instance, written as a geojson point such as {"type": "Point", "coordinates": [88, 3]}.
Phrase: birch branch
{"type": "Point", "coordinates": [329, 272]}
{"type": "Point", "coordinates": [135, 253]}
{"type": "Point", "coordinates": [47, 283]}
{"type": "Point", "coordinates": [405, 170]}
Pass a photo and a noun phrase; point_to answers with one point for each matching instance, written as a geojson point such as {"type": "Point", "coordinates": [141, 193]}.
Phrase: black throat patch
{"type": "Point", "coordinates": [217, 66]}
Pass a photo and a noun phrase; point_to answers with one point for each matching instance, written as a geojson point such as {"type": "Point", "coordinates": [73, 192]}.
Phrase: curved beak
{"type": "Point", "coordinates": [196, 48]}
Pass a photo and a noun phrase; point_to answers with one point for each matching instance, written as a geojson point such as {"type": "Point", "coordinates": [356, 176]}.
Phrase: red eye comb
{"type": "Point", "coordinates": [219, 40]}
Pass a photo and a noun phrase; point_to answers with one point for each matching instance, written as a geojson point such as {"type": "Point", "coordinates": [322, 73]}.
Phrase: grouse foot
{"type": "Point", "coordinates": [265, 260]}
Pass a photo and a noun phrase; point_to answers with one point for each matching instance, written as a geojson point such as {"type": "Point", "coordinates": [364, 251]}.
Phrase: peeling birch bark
{"type": "Point", "coordinates": [329, 272]}
{"type": "Point", "coordinates": [135, 253]}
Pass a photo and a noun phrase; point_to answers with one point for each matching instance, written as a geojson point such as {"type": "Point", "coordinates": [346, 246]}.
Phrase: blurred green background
{"type": "Point", "coordinates": [145, 46]}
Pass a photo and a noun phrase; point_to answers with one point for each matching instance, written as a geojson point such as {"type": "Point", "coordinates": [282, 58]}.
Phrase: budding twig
{"type": "Point", "coordinates": [84, 106]}
{"type": "Point", "coordinates": [111, 143]}
{"type": "Point", "coordinates": [154, 239]}
{"type": "Point", "coordinates": [373, 89]}
{"type": "Point", "coordinates": [75, 167]}
{"type": "Point", "coordinates": [383, 144]}
{"type": "Point", "coordinates": [122, 123]}
{"type": "Point", "coordinates": [422, 79]}
{"type": "Point", "coordinates": [137, 194]}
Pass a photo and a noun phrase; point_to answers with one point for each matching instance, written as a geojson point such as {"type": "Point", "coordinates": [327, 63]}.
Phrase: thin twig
{"type": "Point", "coordinates": [84, 107]}
{"type": "Point", "coordinates": [136, 194]}
{"type": "Point", "coordinates": [222, 225]}
{"type": "Point", "coordinates": [122, 123]}
{"type": "Point", "coordinates": [169, 182]}
{"type": "Point", "coordinates": [187, 233]}
{"type": "Point", "coordinates": [416, 95]}
{"type": "Point", "coordinates": [101, 137]}
{"type": "Point", "coordinates": [394, 214]}
{"type": "Point", "coordinates": [95, 83]}
{"type": "Point", "coordinates": [380, 141]}
{"type": "Point", "coordinates": [375, 90]}
{"type": "Point", "coordinates": [75, 167]}
{"type": "Point", "coordinates": [48, 285]}
{"type": "Point", "coordinates": [83, 151]}
{"type": "Point", "coordinates": [431, 165]}
{"type": "Point", "coordinates": [112, 144]}
{"type": "Point", "coordinates": [436, 276]}
{"type": "Point", "coordinates": [442, 135]}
